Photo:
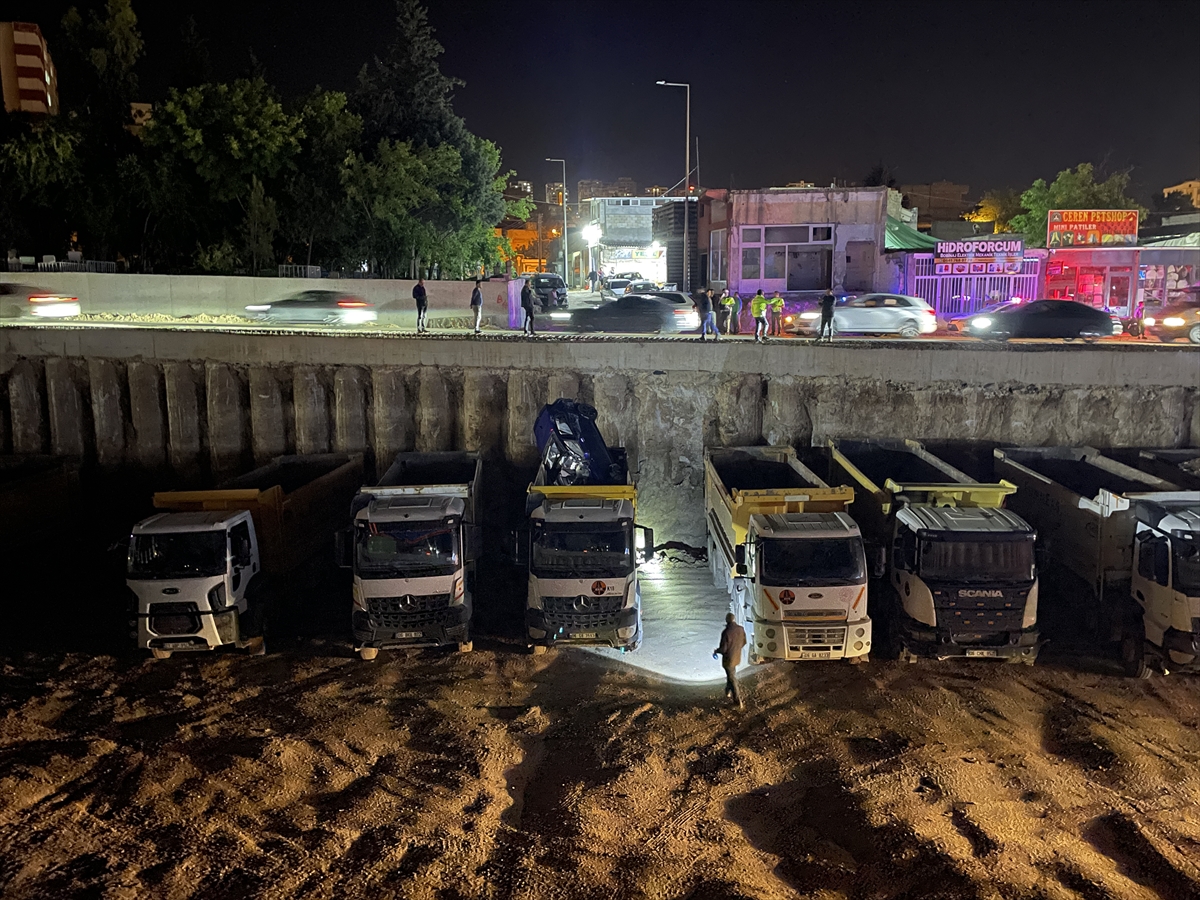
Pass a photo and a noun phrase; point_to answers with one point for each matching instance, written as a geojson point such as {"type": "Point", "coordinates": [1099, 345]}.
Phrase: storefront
{"type": "Point", "coordinates": [1097, 277]}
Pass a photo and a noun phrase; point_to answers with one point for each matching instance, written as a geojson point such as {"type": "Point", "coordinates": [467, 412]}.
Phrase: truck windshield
{"type": "Point", "coordinates": [400, 550]}
{"type": "Point", "coordinates": [184, 554]}
{"type": "Point", "coordinates": [803, 563]}
{"type": "Point", "coordinates": [1187, 567]}
{"type": "Point", "coordinates": [581, 550]}
{"type": "Point", "coordinates": [977, 561]}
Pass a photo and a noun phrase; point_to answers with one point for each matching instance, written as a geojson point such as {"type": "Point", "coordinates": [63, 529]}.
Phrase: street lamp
{"type": "Point", "coordinates": [566, 274]}
{"type": "Point", "coordinates": [687, 173]}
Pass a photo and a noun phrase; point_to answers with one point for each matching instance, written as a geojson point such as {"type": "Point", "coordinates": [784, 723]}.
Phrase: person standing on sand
{"type": "Point", "coordinates": [733, 639]}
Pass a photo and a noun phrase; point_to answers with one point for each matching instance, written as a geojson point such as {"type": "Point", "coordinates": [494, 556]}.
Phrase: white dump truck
{"type": "Point", "coordinates": [414, 542]}
{"type": "Point", "coordinates": [780, 542]}
{"type": "Point", "coordinates": [1130, 538]}
{"type": "Point", "coordinates": [198, 571]}
{"type": "Point", "coordinates": [961, 577]}
{"type": "Point", "coordinates": [583, 547]}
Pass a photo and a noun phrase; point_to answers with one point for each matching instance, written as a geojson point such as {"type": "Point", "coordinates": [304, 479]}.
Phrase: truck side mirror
{"type": "Point", "coordinates": [878, 558]}
{"type": "Point", "coordinates": [520, 548]}
{"type": "Point", "coordinates": [343, 547]}
{"type": "Point", "coordinates": [472, 542]}
{"type": "Point", "coordinates": [741, 570]}
{"type": "Point", "coordinates": [646, 553]}
{"type": "Point", "coordinates": [739, 556]}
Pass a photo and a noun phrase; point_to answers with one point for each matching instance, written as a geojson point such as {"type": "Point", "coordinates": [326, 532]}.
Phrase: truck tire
{"type": "Point", "coordinates": [1133, 654]}
{"type": "Point", "coordinates": [368, 653]}
{"type": "Point", "coordinates": [160, 654]}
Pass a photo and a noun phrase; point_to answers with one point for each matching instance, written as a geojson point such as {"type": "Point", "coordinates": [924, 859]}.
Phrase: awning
{"type": "Point", "coordinates": [904, 237]}
{"type": "Point", "coordinates": [1183, 240]}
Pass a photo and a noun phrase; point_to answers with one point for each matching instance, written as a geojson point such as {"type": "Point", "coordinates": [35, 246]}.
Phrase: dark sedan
{"type": "Point", "coordinates": [1042, 319]}
{"type": "Point", "coordinates": [638, 314]}
{"type": "Point", "coordinates": [316, 308]}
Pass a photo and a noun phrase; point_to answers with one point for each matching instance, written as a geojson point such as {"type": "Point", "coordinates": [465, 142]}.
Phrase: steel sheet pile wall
{"type": "Point", "coordinates": [206, 404]}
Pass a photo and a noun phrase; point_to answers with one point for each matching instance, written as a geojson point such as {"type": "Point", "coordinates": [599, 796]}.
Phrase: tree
{"type": "Point", "coordinates": [1072, 189]}
{"type": "Point", "coordinates": [999, 206]}
{"type": "Point", "coordinates": [258, 230]}
{"type": "Point", "coordinates": [880, 176]}
{"type": "Point", "coordinates": [1174, 202]}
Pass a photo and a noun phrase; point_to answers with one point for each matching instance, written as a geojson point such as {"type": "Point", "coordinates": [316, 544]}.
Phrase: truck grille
{"type": "Point", "coordinates": [584, 604]}
{"type": "Point", "coordinates": [174, 618]}
{"type": "Point", "coordinates": [979, 618]}
{"type": "Point", "coordinates": [582, 621]}
{"type": "Point", "coordinates": [410, 612]}
{"type": "Point", "coordinates": [814, 614]}
{"type": "Point", "coordinates": [801, 637]}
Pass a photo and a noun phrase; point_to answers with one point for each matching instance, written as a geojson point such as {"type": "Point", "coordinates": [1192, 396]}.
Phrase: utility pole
{"type": "Point", "coordinates": [541, 250]}
{"type": "Point", "coordinates": [563, 196]}
{"type": "Point", "coordinates": [687, 172]}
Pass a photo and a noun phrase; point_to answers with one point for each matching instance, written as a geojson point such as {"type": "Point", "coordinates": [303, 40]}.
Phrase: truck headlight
{"type": "Point", "coordinates": [216, 597]}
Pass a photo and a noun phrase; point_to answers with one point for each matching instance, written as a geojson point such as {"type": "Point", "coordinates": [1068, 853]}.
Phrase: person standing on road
{"type": "Point", "coordinates": [733, 639]}
{"type": "Point", "coordinates": [776, 304]}
{"type": "Point", "coordinates": [758, 309]}
{"type": "Point", "coordinates": [422, 306]}
{"type": "Point", "coordinates": [704, 307]}
{"type": "Point", "coordinates": [592, 279]}
{"type": "Point", "coordinates": [527, 308]}
{"type": "Point", "coordinates": [826, 330]}
{"type": "Point", "coordinates": [726, 302]}
{"type": "Point", "coordinates": [477, 304]}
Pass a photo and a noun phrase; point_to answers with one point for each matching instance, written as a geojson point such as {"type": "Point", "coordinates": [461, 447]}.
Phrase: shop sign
{"type": "Point", "coordinates": [1092, 228]}
{"type": "Point", "coordinates": [978, 257]}
{"type": "Point", "coordinates": [616, 253]}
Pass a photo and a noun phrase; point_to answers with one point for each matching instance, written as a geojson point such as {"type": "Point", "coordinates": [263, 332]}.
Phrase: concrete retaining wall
{"type": "Point", "coordinates": [192, 404]}
{"type": "Point", "coordinates": [189, 295]}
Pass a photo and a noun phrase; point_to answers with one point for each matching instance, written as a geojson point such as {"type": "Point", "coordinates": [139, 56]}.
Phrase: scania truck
{"type": "Point", "coordinates": [780, 542]}
{"type": "Point", "coordinates": [960, 578]}
{"type": "Point", "coordinates": [1130, 538]}
{"type": "Point", "coordinates": [198, 571]}
{"type": "Point", "coordinates": [583, 547]}
{"type": "Point", "coordinates": [414, 542]}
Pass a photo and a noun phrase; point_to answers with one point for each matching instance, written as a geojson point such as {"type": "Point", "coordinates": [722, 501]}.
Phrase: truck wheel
{"type": "Point", "coordinates": [537, 649]}
{"type": "Point", "coordinates": [1133, 654]}
{"type": "Point", "coordinates": [466, 646]}
{"type": "Point", "coordinates": [368, 653]}
{"type": "Point", "coordinates": [160, 654]}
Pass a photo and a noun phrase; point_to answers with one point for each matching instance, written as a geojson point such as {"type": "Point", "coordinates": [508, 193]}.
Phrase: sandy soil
{"type": "Point", "coordinates": [499, 775]}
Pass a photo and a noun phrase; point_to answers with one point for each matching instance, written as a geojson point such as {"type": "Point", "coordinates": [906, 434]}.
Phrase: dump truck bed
{"type": "Point", "coordinates": [292, 524]}
{"type": "Point", "coordinates": [1180, 467]}
{"type": "Point", "coordinates": [450, 473]}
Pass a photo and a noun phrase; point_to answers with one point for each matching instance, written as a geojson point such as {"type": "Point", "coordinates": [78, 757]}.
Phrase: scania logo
{"type": "Point", "coordinates": [981, 593]}
{"type": "Point", "coordinates": [599, 587]}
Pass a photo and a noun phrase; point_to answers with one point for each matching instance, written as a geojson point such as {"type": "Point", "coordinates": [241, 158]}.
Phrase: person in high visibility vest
{"type": "Point", "coordinates": [776, 304]}
{"type": "Point", "coordinates": [758, 309]}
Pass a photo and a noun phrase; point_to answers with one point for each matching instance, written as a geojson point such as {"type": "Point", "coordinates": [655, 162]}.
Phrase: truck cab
{"type": "Point", "coordinates": [412, 586]}
{"type": "Point", "coordinates": [808, 587]}
{"type": "Point", "coordinates": [1166, 585]}
{"type": "Point", "coordinates": [583, 555]}
{"type": "Point", "coordinates": [966, 581]}
{"type": "Point", "coordinates": [192, 579]}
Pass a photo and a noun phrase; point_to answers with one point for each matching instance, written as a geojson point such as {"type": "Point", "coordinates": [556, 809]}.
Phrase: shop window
{"type": "Point", "coordinates": [646, 202]}
{"type": "Point", "coordinates": [624, 202]}
{"type": "Point", "coordinates": [718, 268]}
{"type": "Point", "coordinates": [790, 234]}
{"type": "Point", "coordinates": [750, 261]}
{"type": "Point", "coordinates": [775, 260]}
{"type": "Point", "coordinates": [751, 235]}
{"type": "Point", "coordinates": [822, 233]}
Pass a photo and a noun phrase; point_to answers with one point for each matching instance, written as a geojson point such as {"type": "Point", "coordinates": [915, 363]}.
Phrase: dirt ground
{"type": "Point", "coordinates": [433, 776]}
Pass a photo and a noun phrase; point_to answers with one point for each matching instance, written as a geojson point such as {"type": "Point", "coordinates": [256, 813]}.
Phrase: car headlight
{"type": "Point", "coordinates": [1149, 320]}
{"type": "Point", "coordinates": [981, 322]}
{"type": "Point", "coordinates": [1173, 322]}
{"type": "Point", "coordinates": [809, 315]}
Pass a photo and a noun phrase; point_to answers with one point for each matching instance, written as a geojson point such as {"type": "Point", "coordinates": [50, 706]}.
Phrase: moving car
{"type": "Point", "coordinates": [549, 289]}
{"type": "Point", "coordinates": [884, 314]}
{"type": "Point", "coordinates": [638, 314]}
{"type": "Point", "coordinates": [1180, 319]}
{"type": "Point", "coordinates": [1044, 319]}
{"type": "Point", "coordinates": [18, 301]}
{"type": "Point", "coordinates": [958, 324]}
{"type": "Point", "coordinates": [316, 308]}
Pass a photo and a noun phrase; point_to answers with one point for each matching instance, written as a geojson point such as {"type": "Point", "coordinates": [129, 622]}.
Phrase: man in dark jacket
{"type": "Point", "coordinates": [477, 304]}
{"type": "Point", "coordinates": [704, 308]}
{"type": "Point", "coordinates": [733, 639]}
{"type": "Point", "coordinates": [422, 306]}
{"type": "Point", "coordinates": [827, 302]}
{"type": "Point", "coordinates": [527, 308]}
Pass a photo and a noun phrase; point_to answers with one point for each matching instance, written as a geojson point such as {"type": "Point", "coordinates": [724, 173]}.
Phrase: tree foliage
{"type": "Point", "coordinates": [1073, 189]}
{"type": "Point", "coordinates": [998, 206]}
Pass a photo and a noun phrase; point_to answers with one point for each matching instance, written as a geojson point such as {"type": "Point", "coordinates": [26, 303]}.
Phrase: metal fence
{"type": "Point", "coordinates": [954, 295]}
{"type": "Point", "coordinates": [290, 271]}
{"type": "Point", "coordinates": [90, 265]}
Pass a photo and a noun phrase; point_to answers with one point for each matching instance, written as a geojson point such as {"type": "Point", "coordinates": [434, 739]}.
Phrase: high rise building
{"type": "Point", "coordinates": [554, 191]}
{"type": "Point", "coordinates": [27, 74]}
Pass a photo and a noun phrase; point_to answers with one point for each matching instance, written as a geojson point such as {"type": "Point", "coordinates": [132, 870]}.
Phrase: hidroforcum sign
{"type": "Point", "coordinates": [978, 257]}
{"type": "Point", "coordinates": [1091, 228]}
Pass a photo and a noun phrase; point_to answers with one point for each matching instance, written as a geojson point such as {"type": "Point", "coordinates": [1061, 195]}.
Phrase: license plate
{"type": "Point", "coordinates": [584, 634]}
{"type": "Point", "coordinates": [988, 653]}
{"type": "Point", "coordinates": [814, 654]}
{"type": "Point", "coordinates": [178, 645]}
{"type": "Point", "coordinates": [402, 635]}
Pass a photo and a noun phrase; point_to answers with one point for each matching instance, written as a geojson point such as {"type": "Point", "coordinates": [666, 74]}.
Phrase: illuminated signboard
{"type": "Point", "coordinates": [636, 253]}
{"type": "Point", "coordinates": [978, 257]}
{"type": "Point", "coordinates": [1092, 228]}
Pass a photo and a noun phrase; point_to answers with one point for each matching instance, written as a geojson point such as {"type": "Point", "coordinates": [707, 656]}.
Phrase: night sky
{"type": "Point", "coordinates": [986, 94]}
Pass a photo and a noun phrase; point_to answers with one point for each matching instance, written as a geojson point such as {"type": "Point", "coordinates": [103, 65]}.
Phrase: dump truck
{"type": "Point", "coordinates": [780, 542]}
{"type": "Point", "coordinates": [583, 548]}
{"type": "Point", "coordinates": [1178, 466]}
{"type": "Point", "coordinates": [1131, 541]}
{"type": "Point", "coordinates": [202, 571]}
{"type": "Point", "coordinates": [960, 577]}
{"type": "Point", "coordinates": [414, 542]}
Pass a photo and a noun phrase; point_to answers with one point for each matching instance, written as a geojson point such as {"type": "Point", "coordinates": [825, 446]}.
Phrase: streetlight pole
{"type": "Point", "coordinates": [687, 175]}
{"type": "Point", "coordinates": [566, 273]}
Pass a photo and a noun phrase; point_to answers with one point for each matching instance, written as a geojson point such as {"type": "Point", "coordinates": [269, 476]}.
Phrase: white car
{"type": "Point", "coordinates": [884, 314]}
{"type": "Point", "coordinates": [19, 301]}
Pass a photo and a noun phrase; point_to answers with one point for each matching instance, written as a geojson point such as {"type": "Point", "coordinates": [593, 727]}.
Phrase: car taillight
{"type": "Point", "coordinates": [46, 298]}
{"type": "Point", "coordinates": [932, 312]}
{"type": "Point", "coordinates": [352, 304]}
{"type": "Point", "coordinates": [681, 312]}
